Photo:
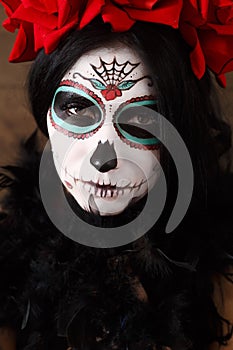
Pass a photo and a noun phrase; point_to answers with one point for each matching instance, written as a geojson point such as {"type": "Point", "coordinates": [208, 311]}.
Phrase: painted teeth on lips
{"type": "Point", "coordinates": [110, 191]}
{"type": "Point", "coordinates": [105, 191]}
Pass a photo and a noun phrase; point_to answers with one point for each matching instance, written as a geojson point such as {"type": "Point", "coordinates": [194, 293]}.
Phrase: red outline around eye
{"type": "Point", "coordinates": [131, 143]}
{"type": "Point", "coordinates": [90, 93]}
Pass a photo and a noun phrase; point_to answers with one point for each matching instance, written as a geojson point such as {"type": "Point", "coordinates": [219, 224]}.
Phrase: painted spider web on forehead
{"type": "Point", "coordinates": [112, 76]}
{"type": "Point", "coordinates": [113, 73]}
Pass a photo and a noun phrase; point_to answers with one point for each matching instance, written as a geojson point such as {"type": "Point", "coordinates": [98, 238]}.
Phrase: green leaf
{"type": "Point", "coordinates": [97, 84]}
{"type": "Point", "coordinates": [126, 85]}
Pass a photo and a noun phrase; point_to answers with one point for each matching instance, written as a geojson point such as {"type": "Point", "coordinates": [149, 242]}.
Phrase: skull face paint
{"type": "Point", "coordinates": [101, 126]}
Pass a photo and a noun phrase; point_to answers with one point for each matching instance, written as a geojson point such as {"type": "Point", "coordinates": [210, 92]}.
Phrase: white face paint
{"type": "Point", "coordinates": [99, 125]}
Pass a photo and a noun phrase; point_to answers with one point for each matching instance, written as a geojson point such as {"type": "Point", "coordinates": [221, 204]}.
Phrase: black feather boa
{"type": "Point", "coordinates": [155, 293]}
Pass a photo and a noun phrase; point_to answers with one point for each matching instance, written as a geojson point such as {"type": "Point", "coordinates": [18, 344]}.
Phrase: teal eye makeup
{"type": "Point", "coordinates": [137, 124]}
{"type": "Point", "coordinates": [76, 111]}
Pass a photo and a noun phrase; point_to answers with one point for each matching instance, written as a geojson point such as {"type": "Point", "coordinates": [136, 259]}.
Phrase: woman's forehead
{"type": "Point", "coordinates": [119, 52]}
{"type": "Point", "coordinates": [115, 72]}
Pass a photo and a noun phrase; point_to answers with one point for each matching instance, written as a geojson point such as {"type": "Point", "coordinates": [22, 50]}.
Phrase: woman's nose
{"type": "Point", "coordinates": [104, 157]}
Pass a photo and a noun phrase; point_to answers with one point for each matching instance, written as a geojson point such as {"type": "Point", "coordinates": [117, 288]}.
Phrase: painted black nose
{"type": "Point", "coordinates": [104, 158]}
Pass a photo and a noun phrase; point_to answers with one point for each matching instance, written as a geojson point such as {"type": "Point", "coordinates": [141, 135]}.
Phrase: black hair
{"type": "Point", "coordinates": [192, 106]}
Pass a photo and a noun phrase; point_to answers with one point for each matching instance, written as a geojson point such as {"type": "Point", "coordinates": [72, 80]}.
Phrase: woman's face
{"type": "Point", "coordinates": [101, 125]}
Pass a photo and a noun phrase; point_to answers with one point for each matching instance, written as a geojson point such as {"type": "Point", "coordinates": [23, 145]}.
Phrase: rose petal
{"type": "Point", "coordinates": [219, 57]}
{"type": "Point", "coordinates": [67, 10]}
{"type": "Point", "coordinates": [92, 9]}
{"type": "Point", "coordinates": [166, 12]}
{"type": "Point", "coordinates": [221, 30]}
{"type": "Point", "coordinates": [33, 16]}
{"type": "Point", "coordinates": [23, 48]}
{"type": "Point", "coordinates": [50, 6]}
{"type": "Point", "coordinates": [221, 3]}
{"type": "Point", "coordinates": [139, 4]}
{"type": "Point", "coordinates": [201, 7]}
{"type": "Point", "coordinates": [211, 37]}
{"type": "Point", "coordinates": [11, 25]}
{"type": "Point", "coordinates": [225, 15]}
{"type": "Point", "coordinates": [197, 58]}
{"type": "Point", "coordinates": [111, 14]}
{"type": "Point", "coordinates": [198, 61]}
{"type": "Point", "coordinates": [52, 39]}
{"type": "Point", "coordinates": [221, 79]}
{"type": "Point", "coordinates": [39, 35]}
{"type": "Point", "coordinates": [10, 6]}
{"type": "Point", "coordinates": [191, 14]}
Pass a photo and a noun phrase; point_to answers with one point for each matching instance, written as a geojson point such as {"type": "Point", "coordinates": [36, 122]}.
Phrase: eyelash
{"type": "Point", "coordinates": [72, 104]}
{"type": "Point", "coordinates": [66, 106]}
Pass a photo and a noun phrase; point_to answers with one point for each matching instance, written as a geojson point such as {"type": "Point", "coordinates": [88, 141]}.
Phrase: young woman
{"type": "Point", "coordinates": [103, 98]}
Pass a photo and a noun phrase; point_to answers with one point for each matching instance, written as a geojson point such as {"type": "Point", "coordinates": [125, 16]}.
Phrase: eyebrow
{"type": "Point", "coordinates": [63, 98]}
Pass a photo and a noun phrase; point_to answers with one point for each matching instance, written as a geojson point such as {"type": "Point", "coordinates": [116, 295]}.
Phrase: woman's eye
{"type": "Point", "coordinates": [83, 117]}
{"type": "Point", "coordinates": [72, 111]}
{"type": "Point", "coordinates": [139, 122]}
{"type": "Point", "coordinates": [75, 112]}
{"type": "Point", "coordinates": [141, 119]}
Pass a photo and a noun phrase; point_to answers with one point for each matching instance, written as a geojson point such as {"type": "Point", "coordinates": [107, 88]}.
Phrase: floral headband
{"type": "Point", "coordinates": [206, 25]}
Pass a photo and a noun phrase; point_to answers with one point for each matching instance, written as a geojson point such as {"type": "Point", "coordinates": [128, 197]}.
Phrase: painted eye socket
{"type": "Point", "coordinates": [75, 111]}
{"type": "Point", "coordinates": [74, 114]}
{"type": "Point", "coordinates": [138, 123]}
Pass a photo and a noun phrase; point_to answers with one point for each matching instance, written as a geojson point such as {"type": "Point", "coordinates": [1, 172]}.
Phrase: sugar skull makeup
{"type": "Point", "coordinates": [102, 126]}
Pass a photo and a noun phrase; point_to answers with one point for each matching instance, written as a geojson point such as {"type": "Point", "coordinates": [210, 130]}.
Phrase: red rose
{"type": "Point", "coordinates": [122, 14]}
{"type": "Point", "coordinates": [42, 23]}
{"type": "Point", "coordinates": [207, 26]}
{"type": "Point", "coordinates": [24, 45]}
